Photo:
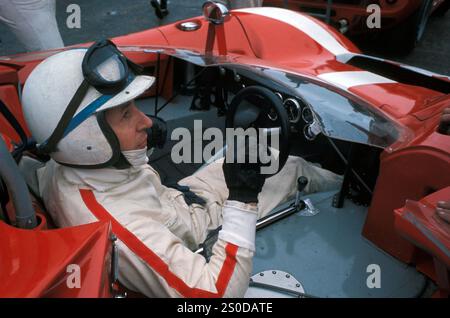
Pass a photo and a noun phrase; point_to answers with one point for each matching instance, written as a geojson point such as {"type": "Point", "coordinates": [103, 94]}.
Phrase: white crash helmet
{"type": "Point", "coordinates": [96, 82]}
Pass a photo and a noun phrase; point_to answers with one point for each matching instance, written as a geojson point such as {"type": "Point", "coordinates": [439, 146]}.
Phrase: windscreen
{"type": "Point", "coordinates": [340, 117]}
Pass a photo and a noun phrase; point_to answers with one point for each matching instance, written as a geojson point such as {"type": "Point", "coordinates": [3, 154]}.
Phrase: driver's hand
{"type": "Point", "coordinates": [443, 210]}
{"type": "Point", "coordinates": [244, 180]}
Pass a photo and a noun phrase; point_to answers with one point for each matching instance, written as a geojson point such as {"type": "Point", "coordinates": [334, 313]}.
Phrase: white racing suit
{"type": "Point", "coordinates": [158, 231]}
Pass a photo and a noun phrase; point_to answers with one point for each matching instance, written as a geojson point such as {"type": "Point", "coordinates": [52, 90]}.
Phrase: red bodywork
{"type": "Point", "coordinates": [37, 263]}
{"type": "Point", "coordinates": [418, 223]}
{"type": "Point", "coordinates": [409, 169]}
{"type": "Point", "coordinates": [393, 13]}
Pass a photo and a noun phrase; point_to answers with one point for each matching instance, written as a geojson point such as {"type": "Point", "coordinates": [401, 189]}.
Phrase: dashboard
{"type": "Point", "coordinates": [222, 83]}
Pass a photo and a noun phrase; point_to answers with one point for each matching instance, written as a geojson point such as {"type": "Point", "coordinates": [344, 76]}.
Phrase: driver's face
{"type": "Point", "coordinates": [129, 124]}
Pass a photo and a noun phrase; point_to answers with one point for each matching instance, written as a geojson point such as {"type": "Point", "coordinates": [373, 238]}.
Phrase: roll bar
{"type": "Point", "coordinates": [9, 172]}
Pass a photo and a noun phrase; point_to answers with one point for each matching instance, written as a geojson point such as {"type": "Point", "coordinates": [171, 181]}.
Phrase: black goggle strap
{"type": "Point", "coordinates": [49, 145]}
{"type": "Point", "coordinates": [136, 68]}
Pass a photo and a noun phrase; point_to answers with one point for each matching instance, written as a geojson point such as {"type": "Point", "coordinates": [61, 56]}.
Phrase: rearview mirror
{"type": "Point", "coordinates": [216, 13]}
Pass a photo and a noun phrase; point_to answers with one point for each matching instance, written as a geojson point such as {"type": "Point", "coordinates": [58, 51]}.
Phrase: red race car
{"type": "Point", "coordinates": [372, 120]}
{"type": "Point", "coordinates": [402, 22]}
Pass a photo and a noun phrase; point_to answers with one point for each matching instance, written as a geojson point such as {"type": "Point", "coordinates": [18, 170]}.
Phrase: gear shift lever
{"type": "Point", "coordinates": [301, 185]}
{"type": "Point", "coordinates": [305, 207]}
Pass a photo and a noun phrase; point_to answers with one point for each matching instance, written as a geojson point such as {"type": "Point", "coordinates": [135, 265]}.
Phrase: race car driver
{"type": "Point", "coordinates": [79, 105]}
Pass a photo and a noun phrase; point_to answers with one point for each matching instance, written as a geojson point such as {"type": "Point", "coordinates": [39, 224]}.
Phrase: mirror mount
{"type": "Point", "coordinates": [216, 14]}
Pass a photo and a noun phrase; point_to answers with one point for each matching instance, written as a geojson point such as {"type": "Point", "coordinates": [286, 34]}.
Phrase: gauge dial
{"type": "Point", "coordinates": [307, 115]}
{"type": "Point", "coordinates": [293, 109]}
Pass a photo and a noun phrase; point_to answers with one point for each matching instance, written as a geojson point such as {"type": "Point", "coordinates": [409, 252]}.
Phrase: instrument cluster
{"type": "Point", "coordinates": [300, 116]}
{"type": "Point", "coordinates": [296, 109]}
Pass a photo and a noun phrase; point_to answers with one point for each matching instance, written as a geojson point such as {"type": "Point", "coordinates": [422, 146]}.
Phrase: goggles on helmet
{"type": "Point", "coordinates": [106, 69]}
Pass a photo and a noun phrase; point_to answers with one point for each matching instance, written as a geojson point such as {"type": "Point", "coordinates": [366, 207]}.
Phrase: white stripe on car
{"type": "Point", "coordinates": [303, 23]}
{"type": "Point", "coordinates": [347, 80]}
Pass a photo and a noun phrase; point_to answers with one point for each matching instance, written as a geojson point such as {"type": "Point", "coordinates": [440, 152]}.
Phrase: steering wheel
{"type": "Point", "coordinates": [258, 107]}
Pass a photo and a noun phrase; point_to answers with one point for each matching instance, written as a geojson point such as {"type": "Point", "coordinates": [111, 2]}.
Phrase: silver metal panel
{"type": "Point", "coordinates": [329, 256]}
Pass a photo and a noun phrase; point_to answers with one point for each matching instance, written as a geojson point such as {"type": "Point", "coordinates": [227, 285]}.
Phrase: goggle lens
{"type": "Point", "coordinates": [111, 69]}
